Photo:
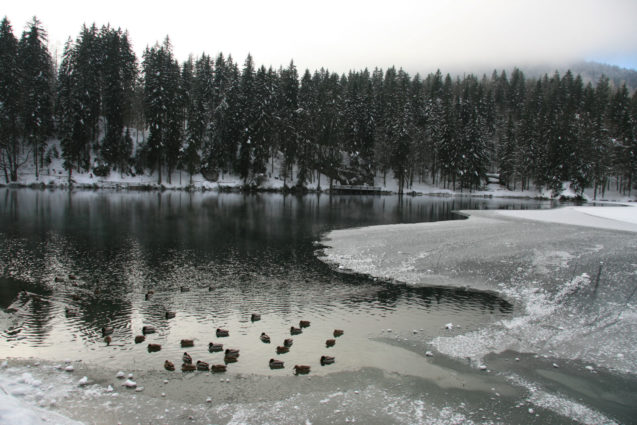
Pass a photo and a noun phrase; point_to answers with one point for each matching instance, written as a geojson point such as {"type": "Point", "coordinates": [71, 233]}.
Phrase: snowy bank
{"type": "Point", "coordinates": [569, 273]}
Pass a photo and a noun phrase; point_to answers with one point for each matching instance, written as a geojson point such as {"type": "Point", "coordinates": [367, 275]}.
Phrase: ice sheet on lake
{"type": "Point", "coordinates": [573, 286]}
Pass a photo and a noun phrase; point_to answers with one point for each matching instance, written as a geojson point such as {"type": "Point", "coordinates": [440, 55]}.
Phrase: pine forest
{"type": "Point", "coordinates": [103, 110]}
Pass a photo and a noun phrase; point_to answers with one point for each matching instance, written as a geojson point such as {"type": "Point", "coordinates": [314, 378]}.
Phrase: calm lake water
{"type": "Point", "coordinates": [93, 256]}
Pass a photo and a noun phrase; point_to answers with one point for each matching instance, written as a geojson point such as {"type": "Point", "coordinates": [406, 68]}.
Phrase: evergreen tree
{"type": "Point", "coordinates": [35, 82]}
{"type": "Point", "coordinates": [287, 105]}
{"type": "Point", "coordinates": [247, 100]}
{"type": "Point", "coordinates": [162, 107]}
{"type": "Point", "coordinates": [10, 147]}
{"type": "Point", "coordinates": [118, 76]}
{"type": "Point", "coordinates": [263, 130]}
{"type": "Point", "coordinates": [71, 113]}
{"type": "Point", "coordinates": [625, 140]}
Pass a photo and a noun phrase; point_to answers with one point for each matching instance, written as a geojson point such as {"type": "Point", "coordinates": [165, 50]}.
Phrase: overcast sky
{"type": "Point", "coordinates": [419, 36]}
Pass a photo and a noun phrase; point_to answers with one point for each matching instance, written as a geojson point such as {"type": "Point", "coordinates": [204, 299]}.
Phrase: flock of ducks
{"type": "Point", "coordinates": [231, 355]}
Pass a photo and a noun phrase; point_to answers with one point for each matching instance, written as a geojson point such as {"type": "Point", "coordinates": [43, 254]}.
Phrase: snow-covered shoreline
{"type": "Point", "coordinates": [55, 177]}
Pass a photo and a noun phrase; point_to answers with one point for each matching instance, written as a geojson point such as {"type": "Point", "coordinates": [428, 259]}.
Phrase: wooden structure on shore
{"type": "Point", "coordinates": [356, 189]}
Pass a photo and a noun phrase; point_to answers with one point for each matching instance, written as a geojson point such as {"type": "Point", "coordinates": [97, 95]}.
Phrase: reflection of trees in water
{"type": "Point", "coordinates": [257, 246]}
{"type": "Point", "coordinates": [391, 296]}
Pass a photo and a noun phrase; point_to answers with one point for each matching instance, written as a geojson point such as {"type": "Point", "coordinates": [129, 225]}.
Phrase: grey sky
{"type": "Point", "coordinates": [419, 36]}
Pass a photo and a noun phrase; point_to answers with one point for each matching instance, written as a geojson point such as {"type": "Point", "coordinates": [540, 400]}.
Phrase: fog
{"type": "Point", "coordinates": [417, 36]}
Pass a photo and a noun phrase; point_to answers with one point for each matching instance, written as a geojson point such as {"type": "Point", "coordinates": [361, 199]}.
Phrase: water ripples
{"type": "Point", "coordinates": [98, 272]}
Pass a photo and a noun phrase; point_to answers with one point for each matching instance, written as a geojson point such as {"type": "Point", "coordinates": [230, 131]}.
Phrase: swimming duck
{"type": "Point", "coordinates": [222, 332]}
{"type": "Point", "coordinates": [338, 332]}
{"type": "Point", "coordinates": [304, 324]}
{"type": "Point", "coordinates": [154, 348]}
{"type": "Point", "coordinates": [170, 314]}
{"type": "Point", "coordinates": [330, 342]}
{"type": "Point", "coordinates": [139, 339]}
{"type": "Point", "coordinates": [168, 365]}
{"type": "Point", "coordinates": [212, 347]}
{"type": "Point", "coordinates": [202, 366]}
{"type": "Point", "coordinates": [326, 360]}
{"type": "Point", "coordinates": [72, 277]}
{"type": "Point", "coordinates": [288, 342]}
{"type": "Point", "coordinates": [107, 330]}
{"type": "Point", "coordinates": [149, 294]}
{"type": "Point", "coordinates": [217, 368]}
{"type": "Point", "coordinates": [184, 289]}
{"type": "Point", "coordinates": [282, 350]}
{"type": "Point", "coordinates": [301, 369]}
{"type": "Point", "coordinates": [265, 338]}
{"type": "Point", "coordinates": [211, 288]}
{"type": "Point", "coordinates": [230, 359]}
{"type": "Point", "coordinates": [295, 331]}
{"type": "Point", "coordinates": [232, 352]}
{"type": "Point", "coordinates": [148, 330]}
{"type": "Point", "coordinates": [70, 312]}
{"type": "Point", "coordinates": [276, 364]}
{"type": "Point", "coordinates": [187, 343]}
{"type": "Point", "coordinates": [188, 367]}
{"type": "Point", "coordinates": [255, 317]}
{"type": "Point", "coordinates": [187, 358]}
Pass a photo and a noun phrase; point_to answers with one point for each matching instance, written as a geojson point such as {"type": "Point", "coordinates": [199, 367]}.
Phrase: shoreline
{"type": "Point", "coordinates": [291, 190]}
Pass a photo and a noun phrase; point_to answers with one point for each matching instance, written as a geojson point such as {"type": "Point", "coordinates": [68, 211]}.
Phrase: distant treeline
{"type": "Point", "coordinates": [212, 116]}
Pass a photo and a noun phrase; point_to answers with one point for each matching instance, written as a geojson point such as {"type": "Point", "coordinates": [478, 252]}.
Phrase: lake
{"type": "Point", "coordinates": [95, 259]}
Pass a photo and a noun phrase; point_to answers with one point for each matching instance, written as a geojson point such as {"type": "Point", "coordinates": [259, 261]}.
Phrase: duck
{"type": "Point", "coordinates": [139, 339]}
{"type": "Point", "coordinates": [304, 324]}
{"type": "Point", "coordinates": [149, 294]}
{"type": "Point", "coordinates": [301, 369]}
{"type": "Point", "coordinates": [326, 360]}
{"type": "Point", "coordinates": [276, 364]}
{"type": "Point", "coordinates": [330, 342]}
{"type": "Point", "coordinates": [288, 342]}
{"type": "Point", "coordinates": [154, 348]}
{"type": "Point", "coordinates": [148, 330]}
{"type": "Point", "coordinates": [187, 343]}
{"type": "Point", "coordinates": [338, 332]}
{"type": "Point", "coordinates": [255, 317]}
{"type": "Point", "coordinates": [170, 314]}
{"type": "Point", "coordinates": [202, 366]}
{"type": "Point", "coordinates": [188, 367]}
{"type": "Point", "coordinates": [107, 330]}
{"type": "Point", "coordinates": [232, 352]}
{"type": "Point", "coordinates": [211, 288]}
{"type": "Point", "coordinates": [70, 312]}
{"type": "Point", "coordinates": [212, 347]}
{"type": "Point", "coordinates": [282, 349]}
{"type": "Point", "coordinates": [222, 332]}
{"type": "Point", "coordinates": [184, 289]}
{"type": "Point", "coordinates": [58, 279]}
{"type": "Point", "coordinates": [108, 339]}
{"type": "Point", "coordinates": [230, 359]}
{"type": "Point", "coordinates": [217, 368]}
{"type": "Point", "coordinates": [187, 358]}
{"type": "Point", "coordinates": [265, 338]}
{"type": "Point", "coordinates": [168, 365]}
{"type": "Point", "coordinates": [72, 277]}
{"type": "Point", "coordinates": [295, 331]}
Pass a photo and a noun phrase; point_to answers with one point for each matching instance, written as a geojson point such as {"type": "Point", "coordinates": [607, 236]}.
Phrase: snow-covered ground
{"type": "Point", "coordinates": [54, 175]}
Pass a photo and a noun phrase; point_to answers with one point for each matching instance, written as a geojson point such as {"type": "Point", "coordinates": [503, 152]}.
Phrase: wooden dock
{"type": "Point", "coordinates": [356, 189]}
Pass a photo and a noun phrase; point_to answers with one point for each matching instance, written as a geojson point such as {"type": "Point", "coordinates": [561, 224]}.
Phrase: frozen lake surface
{"type": "Point", "coordinates": [570, 273]}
